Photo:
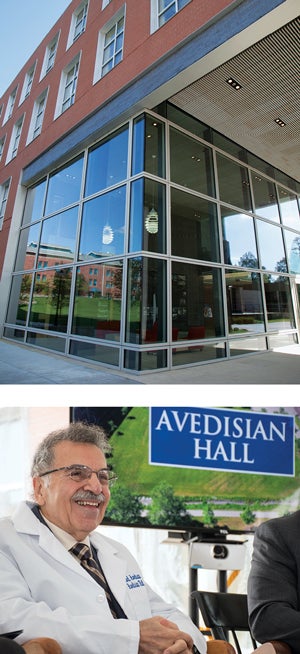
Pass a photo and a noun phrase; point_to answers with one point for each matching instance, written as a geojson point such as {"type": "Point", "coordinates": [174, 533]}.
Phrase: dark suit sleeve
{"type": "Point", "coordinates": [273, 584]}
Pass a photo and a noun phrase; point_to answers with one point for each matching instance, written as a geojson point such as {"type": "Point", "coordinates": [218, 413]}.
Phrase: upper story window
{"type": "Point", "coordinates": [67, 89]}
{"type": "Point", "coordinates": [110, 45]}
{"type": "Point", "coordinates": [10, 105]}
{"type": "Point", "coordinates": [163, 10]}
{"type": "Point", "coordinates": [78, 22]}
{"type": "Point", "coordinates": [105, 3]}
{"type": "Point", "coordinates": [2, 141]}
{"type": "Point", "coordinates": [4, 189]}
{"type": "Point", "coordinates": [27, 83]}
{"type": "Point", "coordinates": [37, 116]}
{"type": "Point", "coordinates": [50, 54]}
{"type": "Point", "coordinates": [15, 140]}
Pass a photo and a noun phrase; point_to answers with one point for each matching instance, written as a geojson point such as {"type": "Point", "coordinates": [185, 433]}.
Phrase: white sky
{"type": "Point", "coordinates": [24, 25]}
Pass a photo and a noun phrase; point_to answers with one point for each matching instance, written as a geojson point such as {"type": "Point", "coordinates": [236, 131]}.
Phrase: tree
{"type": "Point", "coordinates": [247, 515]}
{"type": "Point", "coordinates": [166, 508]}
{"type": "Point", "coordinates": [208, 516]}
{"type": "Point", "coordinates": [124, 506]}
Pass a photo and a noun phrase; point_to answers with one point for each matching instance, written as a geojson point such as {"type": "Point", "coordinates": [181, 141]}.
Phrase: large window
{"type": "Point", "coordinates": [194, 227]}
{"type": "Point", "coordinates": [271, 247]}
{"type": "Point", "coordinates": [238, 239]}
{"type": "Point", "coordinates": [146, 301]}
{"type": "Point", "coordinates": [103, 225]}
{"type": "Point", "coordinates": [265, 200]}
{"type": "Point", "coordinates": [279, 302]}
{"type": "Point", "coordinates": [244, 302]}
{"type": "Point", "coordinates": [234, 183]}
{"type": "Point", "coordinates": [147, 216]}
{"type": "Point", "coordinates": [107, 162]}
{"type": "Point", "coordinates": [191, 163]}
{"type": "Point", "coordinates": [197, 305]}
{"type": "Point", "coordinates": [64, 186]}
{"type": "Point", "coordinates": [98, 297]}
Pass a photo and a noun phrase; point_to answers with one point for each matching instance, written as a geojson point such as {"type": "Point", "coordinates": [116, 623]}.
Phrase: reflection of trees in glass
{"type": "Point", "coordinates": [281, 267]}
{"type": "Point", "coordinates": [82, 286]}
{"type": "Point", "coordinates": [25, 287]}
{"type": "Point", "coordinates": [166, 508]}
{"type": "Point", "coordinates": [248, 260]}
{"type": "Point", "coordinates": [60, 290]}
{"type": "Point", "coordinates": [124, 506]}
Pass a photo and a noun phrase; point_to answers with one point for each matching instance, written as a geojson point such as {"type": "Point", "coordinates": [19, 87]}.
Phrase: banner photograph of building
{"type": "Point", "coordinates": [150, 183]}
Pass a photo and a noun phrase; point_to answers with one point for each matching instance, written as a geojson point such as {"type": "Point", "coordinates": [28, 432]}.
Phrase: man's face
{"type": "Point", "coordinates": [57, 494]}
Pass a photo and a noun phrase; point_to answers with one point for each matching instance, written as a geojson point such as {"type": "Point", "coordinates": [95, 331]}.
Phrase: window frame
{"type": "Point", "coordinates": [28, 81]}
{"type": "Point", "coordinates": [4, 191]}
{"type": "Point", "coordinates": [101, 46]}
{"type": "Point", "coordinates": [2, 144]}
{"type": "Point", "coordinates": [155, 13]}
{"type": "Point", "coordinates": [61, 100]}
{"type": "Point", "coordinates": [15, 139]}
{"type": "Point", "coordinates": [50, 54]}
{"type": "Point", "coordinates": [75, 22]}
{"type": "Point", "coordinates": [36, 112]}
{"type": "Point", "coordinates": [10, 104]}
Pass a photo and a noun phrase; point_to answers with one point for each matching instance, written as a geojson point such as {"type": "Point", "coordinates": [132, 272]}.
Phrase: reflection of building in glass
{"type": "Point", "coordinates": [148, 239]}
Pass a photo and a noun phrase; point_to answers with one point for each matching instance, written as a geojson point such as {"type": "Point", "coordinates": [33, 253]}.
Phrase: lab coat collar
{"type": "Point", "coordinates": [113, 565]}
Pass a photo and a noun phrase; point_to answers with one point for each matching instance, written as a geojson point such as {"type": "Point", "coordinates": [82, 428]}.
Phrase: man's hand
{"type": "Point", "coordinates": [161, 636]}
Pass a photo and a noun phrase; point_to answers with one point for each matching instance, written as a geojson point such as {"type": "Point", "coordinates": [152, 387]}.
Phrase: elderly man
{"type": "Point", "coordinates": [62, 579]}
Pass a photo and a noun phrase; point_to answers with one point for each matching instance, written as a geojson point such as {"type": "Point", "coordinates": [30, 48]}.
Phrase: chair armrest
{"type": "Point", "coordinates": [220, 647]}
{"type": "Point", "coordinates": [274, 647]}
{"type": "Point", "coordinates": [42, 646]}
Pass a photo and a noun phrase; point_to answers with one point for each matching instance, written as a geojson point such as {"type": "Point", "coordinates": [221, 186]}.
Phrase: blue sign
{"type": "Point", "coordinates": [222, 439]}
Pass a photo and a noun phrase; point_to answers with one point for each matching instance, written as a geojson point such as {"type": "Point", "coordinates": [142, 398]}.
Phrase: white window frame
{"type": "Point", "coordinates": [27, 83]}
{"type": "Point", "coordinates": [2, 144]}
{"type": "Point", "coordinates": [105, 3]}
{"type": "Point", "coordinates": [37, 117]}
{"type": "Point", "coordinates": [156, 13]}
{"type": "Point", "coordinates": [50, 54]}
{"type": "Point", "coordinates": [10, 105]}
{"type": "Point", "coordinates": [104, 46]}
{"type": "Point", "coordinates": [78, 22]}
{"type": "Point", "coordinates": [67, 82]}
{"type": "Point", "coordinates": [4, 191]}
{"type": "Point", "coordinates": [15, 139]}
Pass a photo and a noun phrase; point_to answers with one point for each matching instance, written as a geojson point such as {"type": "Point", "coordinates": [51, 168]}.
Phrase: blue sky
{"type": "Point", "coordinates": [24, 25]}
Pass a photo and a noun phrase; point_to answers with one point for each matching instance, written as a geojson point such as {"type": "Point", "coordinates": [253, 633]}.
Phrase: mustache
{"type": "Point", "coordinates": [88, 496]}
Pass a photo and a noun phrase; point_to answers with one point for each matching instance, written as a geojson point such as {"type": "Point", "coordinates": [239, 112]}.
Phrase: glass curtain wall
{"type": "Point", "coordinates": [165, 244]}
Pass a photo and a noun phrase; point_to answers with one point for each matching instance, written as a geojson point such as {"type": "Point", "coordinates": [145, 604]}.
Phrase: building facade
{"type": "Point", "coordinates": [148, 222]}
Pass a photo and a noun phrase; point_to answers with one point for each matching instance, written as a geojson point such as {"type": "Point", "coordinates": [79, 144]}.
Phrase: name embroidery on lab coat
{"type": "Point", "coordinates": [134, 581]}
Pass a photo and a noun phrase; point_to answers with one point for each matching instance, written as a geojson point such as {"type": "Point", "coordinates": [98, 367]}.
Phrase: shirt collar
{"type": "Point", "coordinates": [66, 539]}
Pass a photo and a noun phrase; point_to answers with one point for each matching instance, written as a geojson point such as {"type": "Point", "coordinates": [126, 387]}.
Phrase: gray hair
{"type": "Point", "coordinates": [76, 432]}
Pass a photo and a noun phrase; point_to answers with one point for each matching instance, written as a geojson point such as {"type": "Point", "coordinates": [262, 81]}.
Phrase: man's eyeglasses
{"type": "Point", "coordinates": [81, 473]}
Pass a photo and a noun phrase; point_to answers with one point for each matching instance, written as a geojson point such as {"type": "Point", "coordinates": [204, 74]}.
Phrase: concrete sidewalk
{"type": "Point", "coordinates": [26, 365]}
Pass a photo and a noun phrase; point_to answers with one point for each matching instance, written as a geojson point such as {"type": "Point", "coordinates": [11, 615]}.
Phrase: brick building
{"type": "Point", "coordinates": [149, 183]}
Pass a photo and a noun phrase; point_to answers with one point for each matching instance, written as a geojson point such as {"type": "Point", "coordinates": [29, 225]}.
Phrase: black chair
{"type": "Point", "coordinates": [227, 613]}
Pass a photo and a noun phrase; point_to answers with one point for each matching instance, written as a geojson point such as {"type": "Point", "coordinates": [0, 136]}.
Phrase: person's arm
{"type": "Point", "coordinates": [273, 597]}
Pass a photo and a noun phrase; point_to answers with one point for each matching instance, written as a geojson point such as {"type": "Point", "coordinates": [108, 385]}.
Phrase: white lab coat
{"type": "Point", "coordinates": [45, 591]}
